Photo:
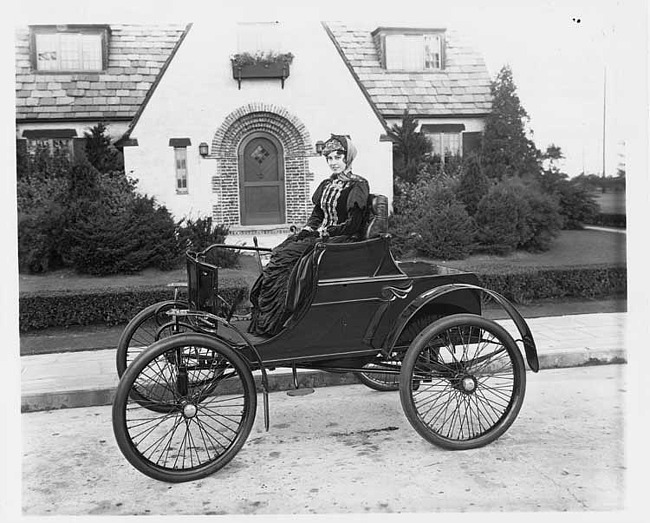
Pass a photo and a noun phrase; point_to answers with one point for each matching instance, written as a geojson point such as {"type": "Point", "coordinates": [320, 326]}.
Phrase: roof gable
{"type": "Point", "coordinates": [462, 87]}
{"type": "Point", "coordinates": [137, 55]}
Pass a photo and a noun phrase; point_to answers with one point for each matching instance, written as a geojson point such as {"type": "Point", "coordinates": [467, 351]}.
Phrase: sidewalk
{"type": "Point", "coordinates": [82, 378]}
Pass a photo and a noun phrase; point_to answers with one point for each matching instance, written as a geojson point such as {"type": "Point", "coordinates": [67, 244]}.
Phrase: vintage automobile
{"type": "Point", "coordinates": [187, 397]}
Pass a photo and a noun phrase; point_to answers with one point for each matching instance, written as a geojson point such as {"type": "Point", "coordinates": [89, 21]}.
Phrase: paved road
{"type": "Point", "coordinates": [349, 449]}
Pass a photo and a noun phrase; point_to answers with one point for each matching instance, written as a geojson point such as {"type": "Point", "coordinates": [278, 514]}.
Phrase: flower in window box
{"type": "Point", "coordinates": [261, 65]}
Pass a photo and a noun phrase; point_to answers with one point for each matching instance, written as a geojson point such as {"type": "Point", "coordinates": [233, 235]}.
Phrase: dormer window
{"type": "Point", "coordinates": [69, 48]}
{"type": "Point", "coordinates": [411, 49]}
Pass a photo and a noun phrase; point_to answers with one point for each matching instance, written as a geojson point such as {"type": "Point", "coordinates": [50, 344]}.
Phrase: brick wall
{"type": "Point", "coordinates": [297, 148]}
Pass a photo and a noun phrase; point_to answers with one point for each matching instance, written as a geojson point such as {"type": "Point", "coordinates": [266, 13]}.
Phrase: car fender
{"type": "Point", "coordinates": [530, 349]}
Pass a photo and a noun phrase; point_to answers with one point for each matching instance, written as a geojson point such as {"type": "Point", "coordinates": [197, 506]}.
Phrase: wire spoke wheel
{"type": "Point", "coordinates": [381, 381]}
{"type": "Point", "coordinates": [389, 380]}
{"type": "Point", "coordinates": [195, 407]}
{"type": "Point", "coordinates": [471, 379]}
{"type": "Point", "coordinates": [148, 326]}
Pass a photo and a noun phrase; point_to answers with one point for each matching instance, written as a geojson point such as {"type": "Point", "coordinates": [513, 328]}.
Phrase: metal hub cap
{"type": "Point", "coordinates": [468, 384]}
{"type": "Point", "coordinates": [189, 410]}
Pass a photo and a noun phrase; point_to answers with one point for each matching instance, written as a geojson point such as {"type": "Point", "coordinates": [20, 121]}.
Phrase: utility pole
{"type": "Point", "coordinates": [604, 113]}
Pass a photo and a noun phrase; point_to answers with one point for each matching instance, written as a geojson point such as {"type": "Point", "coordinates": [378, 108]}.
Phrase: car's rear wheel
{"type": "Point", "coordinates": [388, 380]}
{"type": "Point", "coordinates": [148, 326]}
{"type": "Point", "coordinates": [471, 378]}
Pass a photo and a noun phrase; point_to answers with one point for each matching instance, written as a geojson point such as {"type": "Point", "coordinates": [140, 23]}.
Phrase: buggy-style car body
{"type": "Point", "coordinates": [186, 400]}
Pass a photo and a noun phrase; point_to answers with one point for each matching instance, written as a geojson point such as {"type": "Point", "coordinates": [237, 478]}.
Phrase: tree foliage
{"type": "Point", "coordinates": [576, 203]}
{"type": "Point", "coordinates": [410, 148]}
{"type": "Point", "coordinates": [506, 149]}
{"type": "Point", "coordinates": [89, 215]}
{"type": "Point", "coordinates": [100, 152]}
{"type": "Point", "coordinates": [473, 184]}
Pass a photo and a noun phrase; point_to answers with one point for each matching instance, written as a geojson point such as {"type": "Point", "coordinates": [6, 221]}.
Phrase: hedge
{"type": "Point", "coordinates": [529, 284]}
{"type": "Point", "coordinates": [107, 306]}
{"type": "Point", "coordinates": [118, 306]}
{"type": "Point", "coordinates": [609, 220]}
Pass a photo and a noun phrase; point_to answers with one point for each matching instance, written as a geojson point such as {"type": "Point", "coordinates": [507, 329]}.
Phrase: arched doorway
{"type": "Point", "coordinates": [261, 180]}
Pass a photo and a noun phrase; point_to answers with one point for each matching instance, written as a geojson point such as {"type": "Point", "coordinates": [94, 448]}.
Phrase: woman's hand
{"type": "Point", "coordinates": [306, 233]}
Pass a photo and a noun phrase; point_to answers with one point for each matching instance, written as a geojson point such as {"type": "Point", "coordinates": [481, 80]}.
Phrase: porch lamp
{"type": "Point", "coordinates": [320, 145]}
{"type": "Point", "coordinates": [203, 149]}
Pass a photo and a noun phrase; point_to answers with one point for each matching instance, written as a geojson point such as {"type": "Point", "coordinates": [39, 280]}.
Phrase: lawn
{"type": "Point", "coordinates": [69, 280]}
{"type": "Point", "coordinates": [587, 247]}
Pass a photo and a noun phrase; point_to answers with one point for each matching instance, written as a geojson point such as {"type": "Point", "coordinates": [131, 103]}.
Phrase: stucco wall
{"type": "Point", "coordinates": [198, 92]}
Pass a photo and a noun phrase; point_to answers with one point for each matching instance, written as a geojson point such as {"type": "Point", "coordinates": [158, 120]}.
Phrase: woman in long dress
{"type": "Point", "coordinates": [338, 216]}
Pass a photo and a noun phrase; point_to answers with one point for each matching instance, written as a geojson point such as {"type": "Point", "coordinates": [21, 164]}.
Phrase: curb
{"type": "Point", "coordinates": [283, 381]}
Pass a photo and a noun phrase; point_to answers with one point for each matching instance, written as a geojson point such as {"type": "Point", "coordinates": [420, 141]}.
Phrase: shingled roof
{"type": "Point", "coordinates": [462, 88]}
{"type": "Point", "coordinates": [136, 57]}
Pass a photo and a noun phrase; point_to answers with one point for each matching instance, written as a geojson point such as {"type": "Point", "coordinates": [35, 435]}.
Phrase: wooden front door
{"type": "Point", "coordinates": [261, 181]}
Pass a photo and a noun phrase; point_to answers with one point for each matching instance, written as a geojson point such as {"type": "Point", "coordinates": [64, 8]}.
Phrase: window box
{"type": "Point", "coordinates": [269, 65]}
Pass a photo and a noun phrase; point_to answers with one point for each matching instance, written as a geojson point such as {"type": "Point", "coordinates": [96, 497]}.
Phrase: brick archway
{"type": "Point", "coordinates": [297, 147]}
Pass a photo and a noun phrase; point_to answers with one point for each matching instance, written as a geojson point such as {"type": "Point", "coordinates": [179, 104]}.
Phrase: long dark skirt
{"type": "Point", "coordinates": [269, 292]}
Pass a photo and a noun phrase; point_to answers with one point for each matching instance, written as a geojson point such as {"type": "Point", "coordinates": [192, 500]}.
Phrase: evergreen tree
{"type": "Point", "coordinates": [506, 150]}
{"type": "Point", "coordinates": [101, 154]}
{"type": "Point", "coordinates": [410, 148]}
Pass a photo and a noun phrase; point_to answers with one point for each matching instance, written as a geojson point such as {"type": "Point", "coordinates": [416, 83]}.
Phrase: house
{"type": "Point", "coordinates": [209, 137]}
{"type": "Point", "coordinates": [69, 78]}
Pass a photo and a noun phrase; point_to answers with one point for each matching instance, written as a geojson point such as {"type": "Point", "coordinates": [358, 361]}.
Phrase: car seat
{"type": "Point", "coordinates": [376, 216]}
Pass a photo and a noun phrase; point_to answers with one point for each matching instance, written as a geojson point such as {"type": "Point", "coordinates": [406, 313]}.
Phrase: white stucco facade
{"type": "Point", "coordinates": [197, 94]}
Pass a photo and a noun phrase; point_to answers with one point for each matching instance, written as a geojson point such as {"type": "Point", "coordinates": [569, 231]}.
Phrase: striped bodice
{"type": "Point", "coordinates": [329, 200]}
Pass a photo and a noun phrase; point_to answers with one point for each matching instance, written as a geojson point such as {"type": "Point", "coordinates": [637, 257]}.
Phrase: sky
{"type": "Point", "coordinates": [572, 60]}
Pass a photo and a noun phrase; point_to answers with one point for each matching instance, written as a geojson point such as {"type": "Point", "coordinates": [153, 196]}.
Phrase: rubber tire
{"type": "Point", "coordinates": [123, 344]}
{"type": "Point", "coordinates": [412, 329]}
{"type": "Point", "coordinates": [120, 403]}
{"type": "Point", "coordinates": [516, 399]}
{"type": "Point", "coordinates": [370, 380]}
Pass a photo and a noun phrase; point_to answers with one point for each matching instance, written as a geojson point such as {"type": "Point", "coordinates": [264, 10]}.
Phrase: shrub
{"type": "Point", "coordinates": [473, 184]}
{"type": "Point", "coordinates": [42, 210]}
{"type": "Point", "coordinates": [199, 234]}
{"type": "Point", "coordinates": [577, 204]}
{"type": "Point", "coordinates": [409, 206]}
{"type": "Point", "coordinates": [500, 220]}
{"type": "Point", "coordinates": [543, 220]}
{"type": "Point", "coordinates": [515, 214]}
{"type": "Point", "coordinates": [445, 231]}
{"type": "Point", "coordinates": [429, 220]}
{"type": "Point", "coordinates": [38, 238]}
{"type": "Point", "coordinates": [403, 236]}
{"type": "Point", "coordinates": [109, 240]}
